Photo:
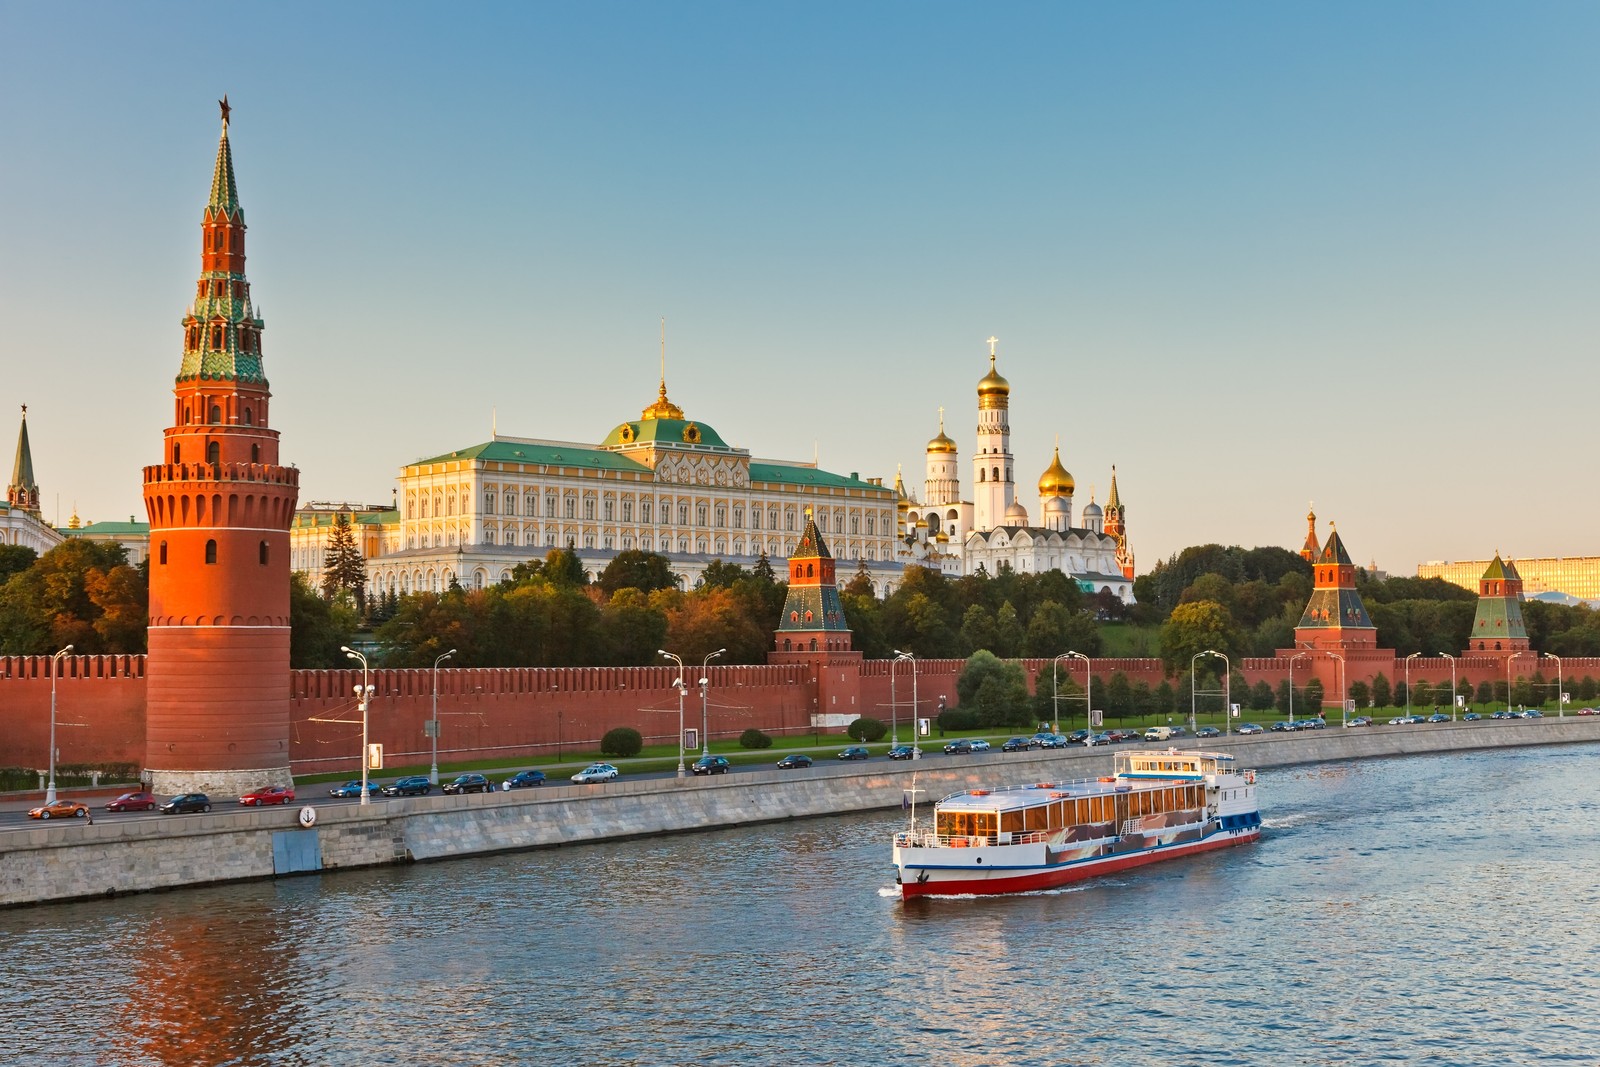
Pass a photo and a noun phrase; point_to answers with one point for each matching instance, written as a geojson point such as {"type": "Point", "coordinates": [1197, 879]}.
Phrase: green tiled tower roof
{"type": "Point", "coordinates": [1333, 551]}
{"type": "Point", "coordinates": [813, 605]}
{"type": "Point", "coordinates": [224, 190]}
{"type": "Point", "coordinates": [1498, 620]}
{"type": "Point", "coordinates": [22, 470]}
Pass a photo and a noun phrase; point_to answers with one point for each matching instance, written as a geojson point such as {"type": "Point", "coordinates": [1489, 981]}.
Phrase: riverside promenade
{"type": "Point", "coordinates": [72, 861]}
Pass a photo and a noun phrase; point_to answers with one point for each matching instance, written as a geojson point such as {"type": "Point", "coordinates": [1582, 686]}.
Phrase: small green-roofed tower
{"type": "Point", "coordinates": [813, 617]}
{"type": "Point", "coordinates": [1497, 625]}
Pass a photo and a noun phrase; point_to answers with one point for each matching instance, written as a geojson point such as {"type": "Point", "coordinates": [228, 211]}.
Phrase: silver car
{"type": "Point", "coordinates": [596, 772]}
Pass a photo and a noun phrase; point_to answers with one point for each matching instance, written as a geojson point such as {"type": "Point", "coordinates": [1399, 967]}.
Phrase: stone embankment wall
{"type": "Point", "coordinates": [71, 860]}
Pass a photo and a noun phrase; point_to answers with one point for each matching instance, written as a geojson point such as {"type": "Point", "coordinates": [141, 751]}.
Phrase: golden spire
{"type": "Point", "coordinates": [662, 408]}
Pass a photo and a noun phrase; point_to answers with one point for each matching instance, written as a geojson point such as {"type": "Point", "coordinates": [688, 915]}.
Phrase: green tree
{"type": "Point", "coordinates": [317, 627]}
{"type": "Point", "coordinates": [1055, 629]}
{"type": "Point", "coordinates": [1313, 698]}
{"type": "Point", "coordinates": [1165, 699]}
{"type": "Point", "coordinates": [65, 598]}
{"type": "Point", "coordinates": [634, 630]}
{"type": "Point", "coordinates": [1261, 696]}
{"type": "Point", "coordinates": [649, 571]}
{"type": "Point", "coordinates": [563, 567]}
{"type": "Point", "coordinates": [1118, 695]}
{"type": "Point", "coordinates": [995, 690]}
{"type": "Point", "coordinates": [978, 630]}
{"type": "Point", "coordinates": [15, 559]}
{"type": "Point", "coordinates": [1193, 628]}
{"type": "Point", "coordinates": [1361, 693]}
{"type": "Point", "coordinates": [343, 568]}
{"type": "Point", "coordinates": [1382, 695]}
{"type": "Point", "coordinates": [1007, 632]}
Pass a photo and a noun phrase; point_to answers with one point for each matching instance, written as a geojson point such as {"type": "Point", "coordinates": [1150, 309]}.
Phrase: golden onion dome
{"type": "Point", "coordinates": [993, 390]}
{"type": "Point", "coordinates": [662, 408]}
{"type": "Point", "coordinates": [942, 443]}
{"type": "Point", "coordinates": [1056, 480]}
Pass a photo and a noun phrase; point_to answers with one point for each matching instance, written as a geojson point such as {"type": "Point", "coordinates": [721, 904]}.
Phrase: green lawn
{"type": "Point", "coordinates": [1125, 640]}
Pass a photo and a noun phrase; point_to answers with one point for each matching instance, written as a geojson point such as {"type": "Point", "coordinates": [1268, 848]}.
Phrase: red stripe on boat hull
{"type": "Point", "coordinates": [1050, 878]}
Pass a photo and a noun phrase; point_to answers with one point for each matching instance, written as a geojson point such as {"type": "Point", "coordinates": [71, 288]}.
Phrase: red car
{"type": "Point", "coordinates": [270, 794]}
{"type": "Point", "coordinates": [133, 802]}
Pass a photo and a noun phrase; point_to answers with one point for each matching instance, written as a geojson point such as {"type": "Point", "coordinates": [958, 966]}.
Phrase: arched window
{"type": "Point", "coordinates": [163, 553]}
{"type": "Point", "coordinates": [996, 474]}
{"type": "Point", "coordinates": [263, 553]}
{"type": "Point", "coordinates": [213, 451]}
{"type": "Point", "coordinates": [249, 417]}
{"type": "Point", "coordinates": [255, 453]}
{"type": "Point", "coordinates": [175, 454]}
{"type": "Point", "coordinates": [211, 551]}
{"type": "Point", "coordinates": [216, 414]}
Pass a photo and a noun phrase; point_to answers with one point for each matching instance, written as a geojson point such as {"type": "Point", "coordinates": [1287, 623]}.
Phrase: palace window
{"type": "Point", "coordinates": [722, 517]}
{"type": "Point", "coordinates": [700, 515]}
{"type": "Point", "coordinates": [683, 514]}
{"type": "Point", "coordinates": [788, 519]}
{"type": "Point", "coordinates": [755, 518]}
{"type": "Point", "coordinates": [423, 506]}
{"type": "Point", "coordinates": [550, 506]}
{"type": "Point", "coordinates": [488, 502]}
{"type": "Point", "coordinates": [772, 519]}
{"type": "Point", "coordinates": [644, 511]}
{"type": "Point", "coordinates": [511, 503]}
{"type": "Point", "coordinates": [572, 507]}
{"type": "Point", "coordinates": [738, 517]}
{"type": "Point", "coordinates": [588, 510]}
{"type": "Point", "coordinates": [609, 509]}
{"type": "Point", "coordinates": [855, 524]}
{"type": "Point", "coordinates": [627, 511]}
{"type": "Point", "coordinates": [871, 525]}
{"type": "Point", "coordinates": [530, 504]}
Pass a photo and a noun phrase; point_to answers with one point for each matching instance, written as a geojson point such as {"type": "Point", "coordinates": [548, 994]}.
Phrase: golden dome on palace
{"type": "Point", "coordinates": [662, 408]}
{"type": "Point", "coordinates": [1056, 480]}
{"type": "Point", "coordinates": [992, 388]}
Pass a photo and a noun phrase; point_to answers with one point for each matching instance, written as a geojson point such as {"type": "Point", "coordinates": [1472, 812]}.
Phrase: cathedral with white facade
{"type": "Point", "coordinates": [992, 530]}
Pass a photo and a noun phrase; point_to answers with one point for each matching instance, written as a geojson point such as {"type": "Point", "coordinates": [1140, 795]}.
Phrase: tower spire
{"type": "Point", "coordinates": [23, 493]}
{"type": "Point", "coordinates": [224, 190]}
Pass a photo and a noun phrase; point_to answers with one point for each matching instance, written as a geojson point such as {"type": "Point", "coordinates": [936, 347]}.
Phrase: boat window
{"type": "Point", "coordinates": [1038, 818]}
{"type": "Point", "coordinates": [1011, 821]}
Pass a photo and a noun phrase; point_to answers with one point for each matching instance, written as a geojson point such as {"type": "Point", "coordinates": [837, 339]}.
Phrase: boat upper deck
{"type": "Point", "coordinates": [1136, 772]}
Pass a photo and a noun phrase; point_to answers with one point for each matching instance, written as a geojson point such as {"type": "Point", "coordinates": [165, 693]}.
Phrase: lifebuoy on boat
{"type": "Point", "coordinates": [1107, 778]}
{"type": "Point", "coordinates": [978, 792]}
{"type": "Point", "coordinates": [958, 842]}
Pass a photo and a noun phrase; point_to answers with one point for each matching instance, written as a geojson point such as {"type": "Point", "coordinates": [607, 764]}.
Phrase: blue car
{"type": "Point", "coordinates": [523, 780]}
{"type": "Point", "coordinates": [352, 788]}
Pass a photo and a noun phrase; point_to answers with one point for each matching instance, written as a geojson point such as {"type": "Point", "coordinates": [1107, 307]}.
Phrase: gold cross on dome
{"type": "Point", "coordinates": [992, 342]}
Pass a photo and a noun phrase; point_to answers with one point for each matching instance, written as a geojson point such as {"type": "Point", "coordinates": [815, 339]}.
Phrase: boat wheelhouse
{"type": "Point", "coordinates": [1156, 805]}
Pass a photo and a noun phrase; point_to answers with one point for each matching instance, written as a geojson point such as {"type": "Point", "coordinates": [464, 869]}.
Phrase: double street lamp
{"type": "Point", "coordinates": [1088, 691]}
{"type": "Point", "coordinates": [1227, 672]}
{"type": "Point", "coordinates": [433, 724]}
{"type": "Point", "coordinates": [1561, 703]}
{"type": "Point", "coordinates": [1452, 660]}
{"type": "Point", "coordinates": [1409, 658]}
{"type": "Point", "coordinates": [363, 694]}
{"type": "Point", "coordinates": [1299, 655]}
{"type": "Point", "coordinates": [895, 701]}
{"type": "Point", "coordinates": [705, 686]}
{"type": "Point", "coordinates": [55, 669]}
{"type": "Point", "coordinates": [682, 689]}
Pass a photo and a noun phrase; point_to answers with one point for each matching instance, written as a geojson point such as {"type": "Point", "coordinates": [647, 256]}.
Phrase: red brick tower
{"type": "Point", "coordinates": [813, 617]}
{"type": "Point", "coordinates": [1309, 550]}
{"type": "Point", "coordinates": [1497, 628]}
{"type": "Point", "coordinates": [1116, 525]}
{"type": "Point", "coordinates": [220, 505]}
{"type": "Point", "coordinates": [1335, 617]}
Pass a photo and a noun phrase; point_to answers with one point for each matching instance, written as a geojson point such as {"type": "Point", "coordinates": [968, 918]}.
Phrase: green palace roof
{"type": "Point", "coordinates": [548, 455]}
{"type": "Point", "coordinates": [664, 432]}
{"type": "Point", "coordinates": [784, 474]}
{"type": "Point", "coordinates": [112, 529]}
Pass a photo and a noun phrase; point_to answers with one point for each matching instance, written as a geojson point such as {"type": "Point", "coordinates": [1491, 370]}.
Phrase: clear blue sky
{"type": "Point", "coordinates": [1252, 254]}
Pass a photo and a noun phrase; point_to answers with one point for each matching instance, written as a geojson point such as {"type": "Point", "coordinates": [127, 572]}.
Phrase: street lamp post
{"type": "Point", "coordinates": [1509, 660]}
{"type": "Point", "coordinates": [705, 719]}
{"type": "Point", "coordinates": [1452, 660]}
{"type": "Point", "coordinates": [1342, 694]}
{"type": "Point", "coordinates": [433, 726]}
{"type": "Point", "coordinates": [1560, 703]}
{"type": "Point", "coordinates": [1409, 658]}
{"type": "Point", "coordinates": [1301, 655]}
{"type": "Point", "coordinates": [681, 688]}
{"type": "Point", "coordinates": [1227, 690]}
{"type": "Point", "coordinates": [894, 704]}
{"type": "Point", "coordinates": [363, 694]}
{"type": "Point", "coordinates": [55, 669]}
{"type": "Point", "coordinates": [1088, 690]}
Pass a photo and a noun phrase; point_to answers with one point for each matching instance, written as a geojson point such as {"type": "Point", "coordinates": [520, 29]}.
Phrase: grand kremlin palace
{"type": "Point", "coordinates": [660, 483]}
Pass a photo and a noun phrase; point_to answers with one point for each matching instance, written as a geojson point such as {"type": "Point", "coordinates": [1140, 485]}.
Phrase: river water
{"type": "Point", "coordinates": [1428, 910]}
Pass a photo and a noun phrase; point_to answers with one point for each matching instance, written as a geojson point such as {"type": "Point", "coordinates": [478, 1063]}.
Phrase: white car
{"type": "Point", "coordinates": [980, 745]}
{"type": "Point", "coordinates": [596, 772]}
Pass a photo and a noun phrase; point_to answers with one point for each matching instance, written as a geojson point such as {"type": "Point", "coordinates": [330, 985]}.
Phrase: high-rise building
{"type": "Point", "coordinates": [220, 505]}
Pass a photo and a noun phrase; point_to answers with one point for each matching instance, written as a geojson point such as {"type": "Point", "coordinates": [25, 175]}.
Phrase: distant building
{"type": "Point", "coordinates": [1577, 576]}
{"type": "Point", "coordinates": [133, 536]}
{"type": "Point", "coordinates": [312, 530]}
{"type": "Point", "coordinates": [20, 521]}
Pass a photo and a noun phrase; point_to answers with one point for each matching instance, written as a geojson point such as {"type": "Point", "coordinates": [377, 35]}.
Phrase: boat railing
{"type": "Point", "coordinates": [929, 839]}
{"type": "Point", "coordinates": [1094, 785]}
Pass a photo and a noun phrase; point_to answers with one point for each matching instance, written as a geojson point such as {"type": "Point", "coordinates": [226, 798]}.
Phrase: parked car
{"type": "Point", "coordinates": [1251, 728]}
{"type": "Point", "coordinates": [903, 752]}
{"type": "Point", "coordinates": [1016, 744]}
{"type": "Point", "coordinates": [352, 788]}
{"type": "Point", "coordinates": [59, 809]}
{"type": "Point", "coordinates": [1312, 724]}
{"type": "Point", "coordinates": [1471, 716]}
{"type": "Point", "coordinates": [268, 794]}
{"type": "Point", "coordinates": [133, 802]}
{"type": "Point", "coordinates": [1282, 727]}
{"type": "Point", "coordinates": [596, 772]}
{"type": "Point", "coordinates": [1043, 739]}
{"type": "Point", "coordinates": [1179, 731]}
{"type": "Point", "coordinates": [523, 780]}
{"type": "Point", "coordinates": [1077, 737]}
{"type": "Point", "coordinates": [1097, 739]}
{"type": "Point", "coordinates": [411, 786]}
{"type": "Point", "coordinates": [794, 760]}
{"type": "Point", "coordinates": [1503, 715]}
{"type": "Point", "coordinates": [1055, 741]}
{"type": "Point", "coordinates": [1530, 713]}
{"type": "Point", "coordinates": [1438, 716]}
{"type": "Point", "coordinates": [959, 747]}
{"type": "Point", "coordinates": [469, 783]}
{"type": "Point", "coordinates": [187, 804]}
{"type": "Point", "coordinates": [855, 752]}
{"type": "Point", "coordinates": [711, 765]}
{"type": "Point", "coordinates": [1359, 720]}
{"type": "Point", "coordinates": [1208, 731]}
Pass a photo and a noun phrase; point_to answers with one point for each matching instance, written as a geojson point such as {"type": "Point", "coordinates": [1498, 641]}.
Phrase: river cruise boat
{"type": "Point", "coordinates": [1156, 806]}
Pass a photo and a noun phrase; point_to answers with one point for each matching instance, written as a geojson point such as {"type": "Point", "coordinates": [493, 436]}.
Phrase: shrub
{"type": "Point", "coordinates": [865, 729]}
{"type": "Point", "coordinates": [958, 719]}
{"type": "Point", "coordinates": [622, 741]}
{"type": "Point", "coordinates": [753, 738]}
